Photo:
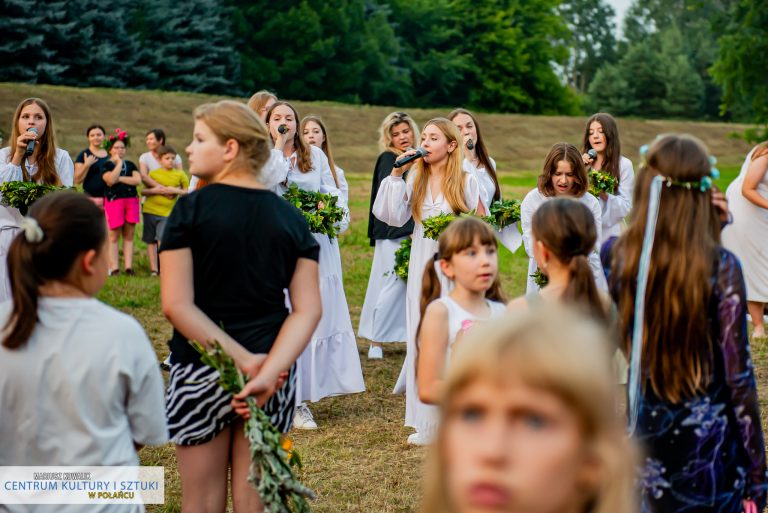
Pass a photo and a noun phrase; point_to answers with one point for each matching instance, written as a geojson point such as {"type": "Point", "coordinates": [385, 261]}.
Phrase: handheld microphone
{"type": "Point", "coordinates": [403, 161]}
{"type": "Point", "coordinates": [282, 129]}
{"type": "Point", "coordinates": [592, 154]}
{"type": "Point", "coordinates": [470, 145]}
{"type": "Point", "coordinates": [31, 144]}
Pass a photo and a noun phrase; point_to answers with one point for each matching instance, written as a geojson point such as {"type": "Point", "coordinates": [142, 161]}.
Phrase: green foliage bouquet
{"type": "Point", "coordinates": [320, 210]}
{"type": "Point", "coordinates": [435, 225]}
{"type": "Point", "coordinates": [600, 182]}
{"type": "Point", "coordinates": [271, 462]}
{"type": "Point", "coordinates": [539, 278]}
{"type": "Point", "coordinates": [21, 195]}
{"type": "Point", "coordinates": [503, 213]}
{"type": "Point", "coordinates": [402, 258]}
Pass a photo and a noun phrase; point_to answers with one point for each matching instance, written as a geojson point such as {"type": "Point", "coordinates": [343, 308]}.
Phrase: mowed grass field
{"type": "Point", "coordinates": [358, 460]}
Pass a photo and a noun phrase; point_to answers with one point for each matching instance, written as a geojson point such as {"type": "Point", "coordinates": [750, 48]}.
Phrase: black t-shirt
{"type": "Point", "coordinates": [119, 190]}
{"type": "Point", "coordinates": [379, 230]}
{"type": "Point", "coordinates": [245, 244]}
{"type": "Point", "coordinates": [93, 184]}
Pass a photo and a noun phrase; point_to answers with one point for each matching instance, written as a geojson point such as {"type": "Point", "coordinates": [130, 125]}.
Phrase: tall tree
{"type": "Point", "coordinates": [591, 42]}
{"type": "Point", "coordinates": [742, 60]}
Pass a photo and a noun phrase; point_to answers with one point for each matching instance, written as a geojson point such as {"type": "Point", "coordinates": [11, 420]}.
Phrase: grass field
{"type": "Point", "coordinates": [358, 460]}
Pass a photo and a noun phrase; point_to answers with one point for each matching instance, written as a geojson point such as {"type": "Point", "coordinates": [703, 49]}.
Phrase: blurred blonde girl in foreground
{"type": "Point", "coordinates": [528, 422]}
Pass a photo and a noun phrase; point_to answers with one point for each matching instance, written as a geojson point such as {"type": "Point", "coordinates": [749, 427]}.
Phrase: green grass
{"type": "Point", "coordinates": [358, 460]}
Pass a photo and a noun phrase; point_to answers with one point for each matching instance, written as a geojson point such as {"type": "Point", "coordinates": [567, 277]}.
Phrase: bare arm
{"type": "Point", "coordinates": [433, 348]}
{"type": "Point", "coordinates": [134, 179]}
{"type": "Point", "coordinates": [145, 178]}
{"type": "Point", "coordinates": [111, 177]}
{"type": "Point", "coordinates": [755, 175]}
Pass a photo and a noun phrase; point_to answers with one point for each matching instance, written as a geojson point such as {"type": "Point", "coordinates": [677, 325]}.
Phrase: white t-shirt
{"type": "Point", "coordinates": [82, 390]}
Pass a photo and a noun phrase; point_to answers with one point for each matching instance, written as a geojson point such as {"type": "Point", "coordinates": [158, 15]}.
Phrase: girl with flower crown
{"type": "Point", "coordinates": [682, 314]}
{"type": "Point", "coordinates": [122, 201]}
{"type": "Point", "coordinates": [47, 164]}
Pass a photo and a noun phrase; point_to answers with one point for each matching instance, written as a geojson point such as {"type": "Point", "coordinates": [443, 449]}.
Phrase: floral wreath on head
{"type": "Point", "coordinates": [119, 135]}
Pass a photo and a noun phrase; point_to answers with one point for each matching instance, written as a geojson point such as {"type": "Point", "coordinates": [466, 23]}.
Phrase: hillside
{"type": "Point", "coordinates": [517, 142]}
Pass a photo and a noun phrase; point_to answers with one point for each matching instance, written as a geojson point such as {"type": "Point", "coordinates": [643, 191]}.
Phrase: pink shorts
{"type": "Point", "coordinates": [121, 211]}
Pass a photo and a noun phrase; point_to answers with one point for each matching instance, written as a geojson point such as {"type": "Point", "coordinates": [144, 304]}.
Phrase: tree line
{"type": "Point", "coordinates": [695, 59]}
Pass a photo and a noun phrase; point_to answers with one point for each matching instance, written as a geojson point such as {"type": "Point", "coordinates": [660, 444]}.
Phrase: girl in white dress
{"type": "Point", "coordinates": [47, 164]}
{"type": "Point", "coordinates": [315, 134]}
{"type": "Point", "coordinates": [436, 184]}
{"type": "Point", "coordinates": [467, 256]}
{"type": "Point", "coordinates": [330, 365]}
{"type": "Point", "coordinates": [747, 235]}
{"type": "Point", "coordinates": [382, 319]}
{"type": "Point", "coordinates": [563, 175]}
{"type": "Point", "coordinates": [479, 163]}
{"type": "Point", "coordinates": [602, 135]}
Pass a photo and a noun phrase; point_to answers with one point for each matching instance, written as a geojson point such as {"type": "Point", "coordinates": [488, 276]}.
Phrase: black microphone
{"type": "Point", "coordinates": [282, 129]}
{"type": "Point", "coordinates": [592, 154]}
{"type": "Point", "coordinates": [403, 161]}
{"type": "Point", "coordinates": [470, 145]}
{"type": "Point", "coordinates": [31, 144]}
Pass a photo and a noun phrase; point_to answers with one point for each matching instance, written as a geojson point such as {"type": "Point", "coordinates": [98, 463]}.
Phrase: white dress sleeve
{"type": "Point", "coordinates": [9, 172]}
{"type": "Point", "coordinates": [65, 168]}
{"type": "Point", "coordinates": [275, 170]}
{"type": "Point", "coordinates": [528, 207]}
{"type": "Point", "coordinates": [343, 186]}
{"type": "Point", "coordinates": [472, 194]}
{"type": "Point", "coordinates": [393, 201]}
{"type": "Point", "coordinates": [616, 207]}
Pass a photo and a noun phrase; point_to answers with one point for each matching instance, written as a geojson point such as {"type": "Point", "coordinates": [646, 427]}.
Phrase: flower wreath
{"type": "Point", "coordinates": [119, 135]}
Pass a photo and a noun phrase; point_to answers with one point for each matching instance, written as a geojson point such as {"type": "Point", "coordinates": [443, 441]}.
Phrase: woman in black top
{"type": "Point", "coordinates": [88, 162]}
{"type": "Point", "coordinates": [383, 316]}
{"type": "Point", "coordinates": [228, 252]}
{"type": "Point", "coordinates": [121, 202]}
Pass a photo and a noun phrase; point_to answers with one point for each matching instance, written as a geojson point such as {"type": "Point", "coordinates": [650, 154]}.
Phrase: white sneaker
{"type": "Point", "coordinates": [420, 438]}
{"type": "Point", "coordinates": [302, 418]}
{"type": "Point", "coordinates": [375, 353]}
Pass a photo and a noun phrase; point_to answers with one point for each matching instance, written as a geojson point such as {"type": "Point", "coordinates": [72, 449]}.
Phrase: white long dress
{"type": "Point", "coordinates": [11, 217]}
{"type": "Point", "coordinates": [330, 365]}
{"type": "Point", "coordinates": [343, 185]}
{"type": "Point", "coordinates": [393, 206]}
{"type": "Point", "coordinates": [618, 205]}
{"type": "Point", "coordinates": [747, 236]}
{"type": "Point", "coordinates": [509, 236]}
{"type": "Point", "coordinates": [533, 200]}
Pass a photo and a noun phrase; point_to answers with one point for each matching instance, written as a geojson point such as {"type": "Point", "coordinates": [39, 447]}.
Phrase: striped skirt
{"type": "Point", "coordinates": [198, 409]}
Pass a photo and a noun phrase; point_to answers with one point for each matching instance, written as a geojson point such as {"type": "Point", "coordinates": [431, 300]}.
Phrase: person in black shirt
{"type": "Point", "coordinates": [228, 252]}
{"type": "Point", "coordinates": [120, 177]}
{"type": "Point", "coordinates": [88, 165]}
{"type": "Point", "coordinates": [382, 318]}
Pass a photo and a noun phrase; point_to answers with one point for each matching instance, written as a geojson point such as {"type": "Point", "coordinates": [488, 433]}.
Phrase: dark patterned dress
{"type": "Point", "coordinates": [707, 453]}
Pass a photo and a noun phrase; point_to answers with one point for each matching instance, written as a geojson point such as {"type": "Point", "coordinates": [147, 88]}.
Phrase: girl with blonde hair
{"type": "Point", "coordinates": [436, 184]}
{"type": "Point", "coordinates": [382, 318]}
{"type": "Point", "coordinates": [228, 253]}
{"type": "Point", "coordinates": [529, 424]}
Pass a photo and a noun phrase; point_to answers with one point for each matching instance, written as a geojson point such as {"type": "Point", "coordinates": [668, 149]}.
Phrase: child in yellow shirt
{"type": "Point", "coordinates": [160, 201]}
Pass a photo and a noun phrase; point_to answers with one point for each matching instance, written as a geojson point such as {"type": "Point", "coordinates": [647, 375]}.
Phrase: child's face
{"type": "Point", "coordinates": [466, 127]}
{"type": "Point", "coordinates": [282, 115]}
{"type": "Point", "coordinates": [117, 151]}
{"type": "Point", "coordinates": [563, 179]}
{"type": "Point", "coordinates": [313, 134]}
{"type": "Point", "coordinates": [205, 152]}
{"type": "Point", "coordinates": [474, 268]}
{"type": "Point", "coordinates": [168, 160]}
{"type": "Point", "coordinates": [596, 137]}
{"type": "Point", "coordinates": [512, 448]}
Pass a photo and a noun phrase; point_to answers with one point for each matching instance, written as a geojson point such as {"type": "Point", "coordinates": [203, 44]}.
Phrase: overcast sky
{"type": "Point", "coordinates": [620, 6]}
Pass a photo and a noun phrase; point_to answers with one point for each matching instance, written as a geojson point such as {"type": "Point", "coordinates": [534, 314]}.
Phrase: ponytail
{"type": "Point", "coordinates": [581, 291]}
{"type": "Point", "coordinates": [430, 290]}
{"type": "Point", "coordinates": [46, 250]}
